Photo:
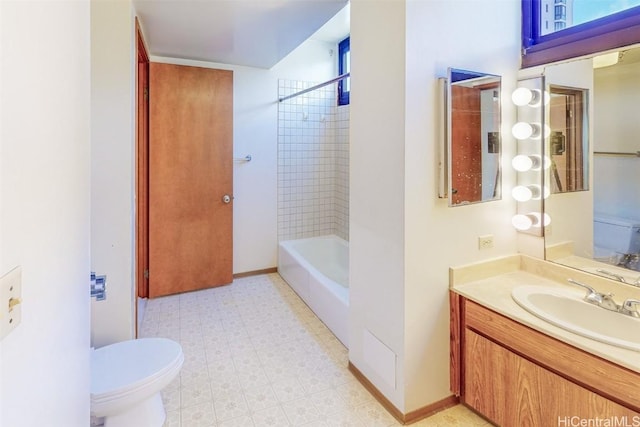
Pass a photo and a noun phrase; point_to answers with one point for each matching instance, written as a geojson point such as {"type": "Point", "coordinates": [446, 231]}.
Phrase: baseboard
{"type": "Point", "coordinates": [426, 411]}
{"type": "Point", "coordinates": [410, 417]}
{"type": "Point", "coordinates": [256, 272]}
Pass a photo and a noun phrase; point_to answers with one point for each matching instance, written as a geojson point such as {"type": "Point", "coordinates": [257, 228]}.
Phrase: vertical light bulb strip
{"type": "Point", "coordinates": [530, 164]}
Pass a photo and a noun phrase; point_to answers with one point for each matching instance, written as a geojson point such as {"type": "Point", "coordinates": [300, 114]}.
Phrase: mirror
{"type": "Point", "coordinates": [473, 137]}
{"type": "Point", "coordinates": [598, 230]}
{"type": "Point", "coordinates": [568, 142]}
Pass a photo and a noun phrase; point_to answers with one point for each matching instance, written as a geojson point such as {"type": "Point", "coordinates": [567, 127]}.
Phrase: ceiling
{"type": "Point", "coordinates": [256, 33]}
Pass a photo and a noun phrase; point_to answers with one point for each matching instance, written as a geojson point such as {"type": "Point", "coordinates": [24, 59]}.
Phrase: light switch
{"type": "Point", "coordinates": [10, 301]}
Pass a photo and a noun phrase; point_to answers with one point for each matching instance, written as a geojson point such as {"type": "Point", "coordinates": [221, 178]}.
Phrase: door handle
{"type": "Point", "coordinates": [226, 199]}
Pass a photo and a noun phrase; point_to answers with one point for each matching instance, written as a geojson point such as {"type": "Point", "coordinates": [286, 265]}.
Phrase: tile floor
{"type": "Point", "coordinates": [256, 355]}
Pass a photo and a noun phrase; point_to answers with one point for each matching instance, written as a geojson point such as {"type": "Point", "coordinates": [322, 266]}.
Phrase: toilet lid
{"type": "Point", "coordinates": [613, 220]}
{"type": "Point", "coordinates": [125, 364]}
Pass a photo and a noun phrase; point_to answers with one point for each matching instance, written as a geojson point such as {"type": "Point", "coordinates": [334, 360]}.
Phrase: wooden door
{"type": "Point", "coordinates": [190, 173]}
{"type": "Point", "coordinates": [142, 166]}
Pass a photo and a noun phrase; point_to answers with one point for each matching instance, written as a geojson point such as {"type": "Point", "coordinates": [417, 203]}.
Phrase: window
{"type": "Point", "coordinates": [579, 27]}
{"type": "Point", "coordinates": [344, 66]}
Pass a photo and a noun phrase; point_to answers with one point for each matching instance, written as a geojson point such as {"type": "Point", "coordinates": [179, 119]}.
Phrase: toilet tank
{"type": "Point", "coordinates": [619, 234]}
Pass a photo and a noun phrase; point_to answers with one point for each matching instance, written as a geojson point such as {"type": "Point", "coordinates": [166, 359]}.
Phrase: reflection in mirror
{"type": "Point", "coordinates": [568, 142]}
{"type": "Point", "coordinates": [616, 198]}
{"type": "Point", "coordinates": [473, 137]}
{"type": "Point", "coordinates": [609, 244]}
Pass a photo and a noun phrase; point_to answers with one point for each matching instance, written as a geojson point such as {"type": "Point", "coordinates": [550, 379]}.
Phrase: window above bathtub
{"type": "Point", "coordinates": [344, 66]}
{"type": "Point", "coordinates": [555, 30]}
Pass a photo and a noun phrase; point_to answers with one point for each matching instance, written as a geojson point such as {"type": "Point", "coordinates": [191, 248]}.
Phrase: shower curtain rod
{"type": "Point", "coordinates": [318, 86]}
{"type": "Point", "coordinates": [612, 153]}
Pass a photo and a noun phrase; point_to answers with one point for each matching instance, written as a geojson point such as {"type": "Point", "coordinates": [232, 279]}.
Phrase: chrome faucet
{"type": "Point", "coordinates": [606, 301]}
{"type": "Point", "coordinates": [618, 277]}
{"type": "Point", "coordinates": [628, 308]}
{"type": "Point", "coordinates": [597, 298]}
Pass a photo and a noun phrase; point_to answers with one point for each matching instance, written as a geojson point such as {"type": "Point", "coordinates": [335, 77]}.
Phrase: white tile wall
{"type": "Point", "coordinates": [313, 163]}
{"type": "Point", "coordinates": [341, 188]}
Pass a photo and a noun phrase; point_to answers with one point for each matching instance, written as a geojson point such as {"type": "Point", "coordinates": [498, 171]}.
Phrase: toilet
{"type": "Point", "coordinates": [126, 380]}
{"type": "Point", "coordinates": [615, 237]}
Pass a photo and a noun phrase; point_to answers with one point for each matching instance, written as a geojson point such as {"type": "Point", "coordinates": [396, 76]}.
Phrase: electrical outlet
{"type": "Point", "coordinates": [485, 242]}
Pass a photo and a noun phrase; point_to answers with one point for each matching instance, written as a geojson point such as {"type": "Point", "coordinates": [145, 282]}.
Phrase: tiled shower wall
{"type": "Point", "coordinates": [313, 163]}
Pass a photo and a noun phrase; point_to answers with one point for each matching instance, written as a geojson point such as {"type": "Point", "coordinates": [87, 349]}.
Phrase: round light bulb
{"type": "Point", "coordinates": [522, 96]}
{"type": "Point", "coordinates": [521, 222]}
{"type": "Point", "coordinates": [539, 220]}
{"type": "Point", "coordinates": [537, 131]}
{"type": "Point", "coordinates": [522, 130]}
{"type": "Point", "coordinates": [522, 193]}
{"type": "Point", "coordinates": [546, 192]}
{"type": "Point", "coordinates": [533, 97]}
{"type": "Point", "coordinates": [522, 163]}
{"type": "Point", "coordinates": [537, 162]}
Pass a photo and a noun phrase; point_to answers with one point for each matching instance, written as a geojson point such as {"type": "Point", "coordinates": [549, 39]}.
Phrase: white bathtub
{"type": "Point", "coordinates": [318, 270]}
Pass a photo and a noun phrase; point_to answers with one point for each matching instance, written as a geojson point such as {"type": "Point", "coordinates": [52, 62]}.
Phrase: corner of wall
{"type": "Point", "coordinates": [113, 68]}
{"type": "Point", "coordinates": [377, 196]}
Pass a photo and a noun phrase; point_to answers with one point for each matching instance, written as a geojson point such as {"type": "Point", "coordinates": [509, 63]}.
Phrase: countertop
{"type": "Point", "coordinates": [495, 293]}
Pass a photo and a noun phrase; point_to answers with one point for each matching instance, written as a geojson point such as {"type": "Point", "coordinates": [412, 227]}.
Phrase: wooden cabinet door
{"type": "Point", "coordinates": [190, 172]}
{"type": "Point", "coordinates": [512, 391]}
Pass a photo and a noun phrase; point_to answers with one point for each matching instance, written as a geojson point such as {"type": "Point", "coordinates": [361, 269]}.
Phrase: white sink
{"type": "Point", "coordinates": [565, 308]}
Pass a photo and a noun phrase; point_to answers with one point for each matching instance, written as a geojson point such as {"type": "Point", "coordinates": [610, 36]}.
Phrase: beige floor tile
{"type": "Point", "coordinates": [201, 415]}
{"type": "Point", "coordinates": [271, 417]}
{"type": "Point", "coordinates": [257, 356]}
{"type": "Point", "coordinates": [300, 411]}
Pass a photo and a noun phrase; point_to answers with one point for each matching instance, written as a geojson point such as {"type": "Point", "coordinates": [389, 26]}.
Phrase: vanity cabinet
{"type": "Point", "coordinates": [516, 376]}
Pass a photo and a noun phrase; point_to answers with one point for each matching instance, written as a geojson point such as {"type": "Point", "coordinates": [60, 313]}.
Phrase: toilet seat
{"type": "Point", "coordinates": [125, 373]}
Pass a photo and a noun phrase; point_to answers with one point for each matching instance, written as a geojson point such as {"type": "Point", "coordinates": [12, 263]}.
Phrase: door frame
{"type": "Point", "coordinates": [142, 168]}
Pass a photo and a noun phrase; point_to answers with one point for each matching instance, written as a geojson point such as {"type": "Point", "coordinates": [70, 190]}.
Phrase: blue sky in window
{"type": "Point", "coordinates": [588, 10]}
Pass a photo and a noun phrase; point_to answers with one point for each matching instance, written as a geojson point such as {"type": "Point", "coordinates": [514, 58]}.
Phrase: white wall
{"type": "Point", "coordinates": [255, 115]}
{"type": "Point", "coordinates": [397, 221]}
{"type": "Point", "coordinates": [377, 196]}
{"type": "Point", "coordinates": [617, 90]}
{"type": "Point", "coordinates": [44, 210]}
{"type": "Point", "coordinates": [437, 236]}
{"type": "Point", "coordinates": [113, 168]}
